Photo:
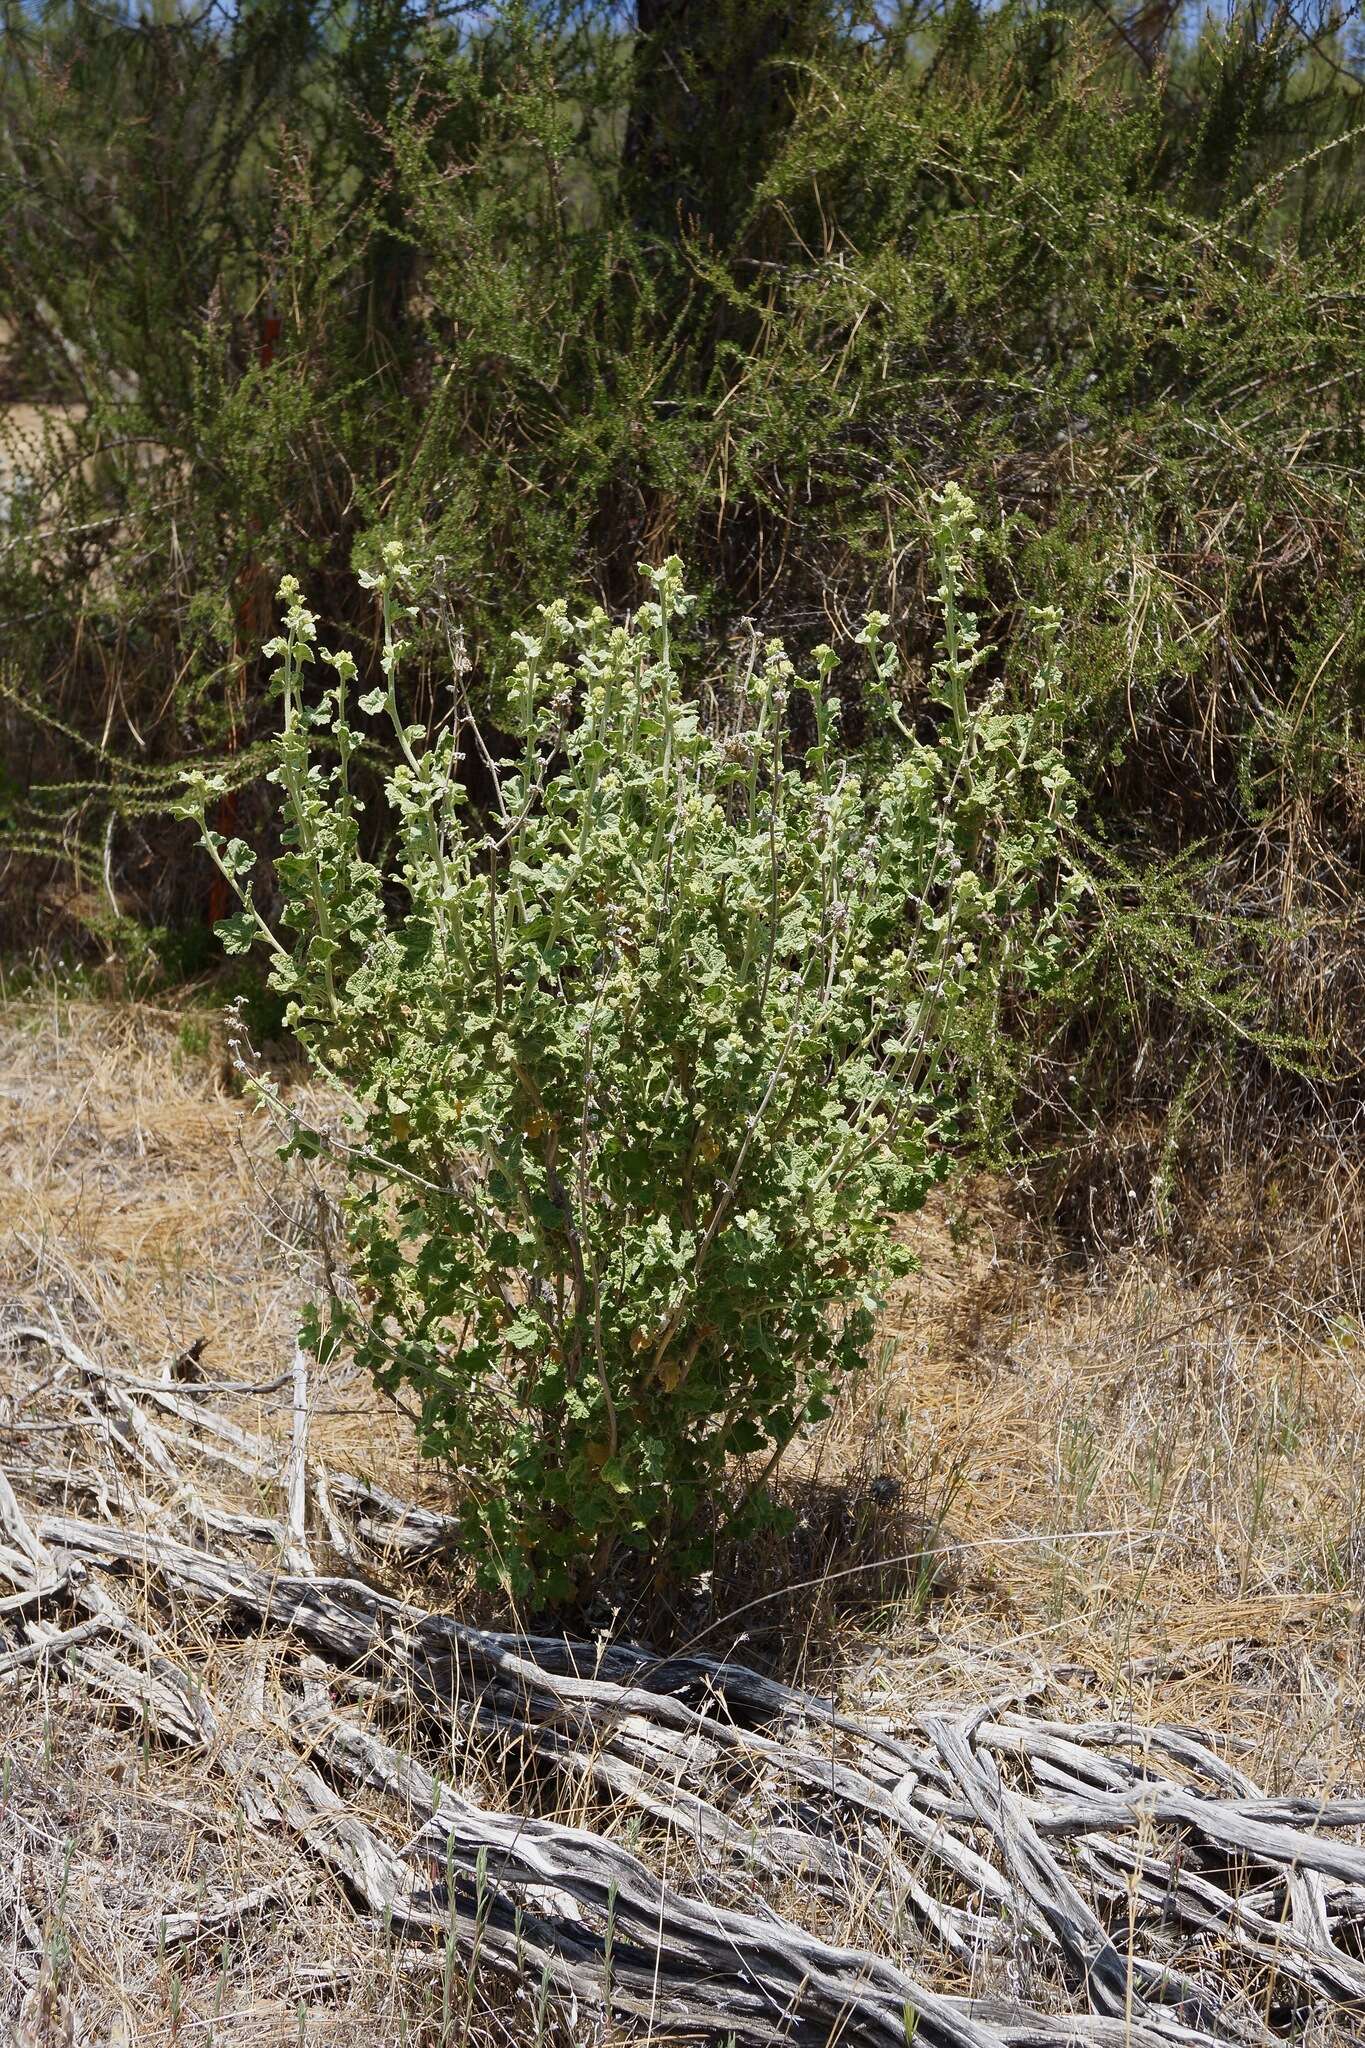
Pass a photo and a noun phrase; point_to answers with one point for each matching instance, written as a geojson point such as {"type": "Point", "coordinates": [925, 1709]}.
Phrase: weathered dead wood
{"type": "Point", "coordinates": [30, 1599]}
{"type": "Point", "coordinates": [361, 1628]}
{"type": "Point", "coordinates": [296, 1469]}
{"type": "Point", "coordinates": [51, 1643]}
{"type": "Point", "coordinates": [176, 1930]}
{"type": "Point", "coordinates": [1163, 1886]}
{"type": "Point", "coordinates": [388, 1523]}
{"type": "Point", "coordinates": [1315, 1964]}
{"type": "Point", "coordinates": [694, 1962]}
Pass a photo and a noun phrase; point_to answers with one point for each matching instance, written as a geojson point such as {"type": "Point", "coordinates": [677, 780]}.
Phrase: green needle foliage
{"type": "Point", "coordinates": [550, 298]}
{"type": "Point", "coordinates": [650, 1052]}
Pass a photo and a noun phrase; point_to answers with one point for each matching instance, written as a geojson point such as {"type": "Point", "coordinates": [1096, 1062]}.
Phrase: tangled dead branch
{"type": "Point", "coordinates": [1162, 1895]}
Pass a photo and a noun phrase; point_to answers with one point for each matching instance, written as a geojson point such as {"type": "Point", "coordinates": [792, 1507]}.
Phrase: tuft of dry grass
{"type": "Point", "coordinates": [1156, 1482]}
{"type": "Point", "coordinates": [1145, 1489]}
{"type": "Point", "coordinates": [138, 1188]}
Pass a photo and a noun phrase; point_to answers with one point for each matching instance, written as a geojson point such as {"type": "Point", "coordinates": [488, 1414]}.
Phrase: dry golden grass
{"type": "Point", "coordinates": [1211, 1443]}
{"type": "Point", "coordinates": [139, 1188]}
{"type": "Point", "coordinates": [1149, 1489]}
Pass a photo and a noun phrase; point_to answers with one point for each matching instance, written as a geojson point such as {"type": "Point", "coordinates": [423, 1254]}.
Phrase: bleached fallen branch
{"type": "Point", "coordinates": [1162, 1886]}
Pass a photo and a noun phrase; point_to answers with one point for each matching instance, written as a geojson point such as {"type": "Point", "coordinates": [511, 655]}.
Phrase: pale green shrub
{"type": "Point", "coordinates": [650, 1055]}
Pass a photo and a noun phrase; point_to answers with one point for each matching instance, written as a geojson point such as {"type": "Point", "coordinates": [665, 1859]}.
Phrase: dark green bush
{"type": "Point", "coordinates": [515, 291]}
